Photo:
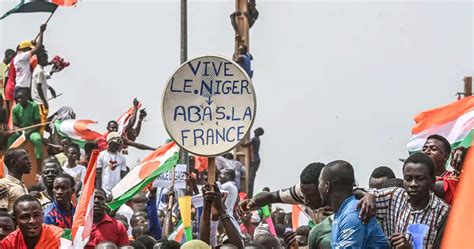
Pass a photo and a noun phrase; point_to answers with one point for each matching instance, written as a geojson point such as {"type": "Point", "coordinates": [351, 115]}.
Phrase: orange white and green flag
{"type": "Point", "coordinates": [77, 130]}
{"type": "Point", "coordinates": [455, 122]}
{"type": "Point", "coordinates": [156, 163]}
{"type": "Point", "coordinates": [459, 227]}
{"type": "Point", "coordinates": [178, 233]}
{"type": "Point", "coordinates": [83, 218]}
{"type": "Point", "coordinates": [299, 217]}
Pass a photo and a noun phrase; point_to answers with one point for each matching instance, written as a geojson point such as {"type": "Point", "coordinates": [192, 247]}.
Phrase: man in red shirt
{"type": "Point", "coordinates": [438, 149]}
{"type": "Point", "coordinates": [105, 228]}
{"type": "Point", "coordinates": [31, 232]}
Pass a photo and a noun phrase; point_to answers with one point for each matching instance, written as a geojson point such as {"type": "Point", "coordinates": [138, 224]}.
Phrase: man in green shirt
{"type": "Point", "coordinates": [24, 114]}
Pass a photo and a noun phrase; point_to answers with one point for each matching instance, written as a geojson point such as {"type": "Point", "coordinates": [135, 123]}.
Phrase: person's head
{"type": "Point", "coordinates": [161, 216]}
{"type": "Point", "coordinates": [195, 244]}
{"type": "Point", "coordinates": [24, 46]}
{"type": "Point", "coordinates": [122, 220]}
{"type": "Point", "coordinates": [229, 156]}
{"type": "Point", "coordinates": [309, 179]}
{"type": "Point", "coordinates": [267, 240]}
{"type": "Point", "coordinates": [50, 170]}
{"type": "Point", "coordinates": [266, 189]}
{"type": "Point", "coordinates": [137, 231]}
{"type": "Point", "coordinates": [138, 220]}
{"type": "Point", "coordinates": [394, 182]}
{"type": "Point", "coordinates": [137, 245]}
{"type": "Point", "coordinates": [88, 148]}
{"type": "Point", "coordinates": [7, 224]}
{"type": "Point", "coordinates": [17, 160]}
{"type": "Point", "coordinates": [242, 49]}
{"type": "Point", "coordinates": [99, 204]}
{"type": "Point", "coordinates": [22, 97]}
{"type": "Point", "coordinates": [63, 189]}
{"type": "Point", "coordinates": [64, 142]}
{"type": "Point", "coordinates": [379, 176]}
{"type": "Point", "coordinates": [106, 245]}
{"type": "Point", "coordinates": [146, 240]}
{"type": "Point", "coordinates": [114, 141]}
{"type": "Point", "coordinates": [438, 148]}
{"type": "Point", "coordinates": [112, 126]}
{"type": "Point", "coordinates": [258, 132]}
{"type": "Point", "coordinates": [226, 175]}
{"type": "Point", "coordinates": [72, 153]}
{"type": "Point", "coordinates": [418, 176]}
{"type": "Point", "coordinates": [42, 57]}
{"type": "Point", "coordinates": [28, 215]}
{"type": "Point", "coordinates": [9, 54]}
{"type": "Point", "coordinates": [280, 218]}
{"type": "Point", "coordinates": [166, 244]}
{"type": "Point", "coordinates": [337, 177]}
{"type": "Point", "coordinates": [302, 235]}
{"type": "Point", "coordinates": [280, 230]}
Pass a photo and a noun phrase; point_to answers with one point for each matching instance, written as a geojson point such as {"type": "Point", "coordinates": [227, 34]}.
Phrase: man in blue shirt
{"type": "Point", "coordinates": [61, 212]}
{"type": "Point", "coordinates": [335, 187]}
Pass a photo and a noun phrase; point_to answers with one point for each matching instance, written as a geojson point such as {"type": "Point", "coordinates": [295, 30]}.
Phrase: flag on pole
{"type": "Point", "coordinates": [124, 119]}
{"type": "Point", "coordinates": [299, 217]}
{"type": "Point", "coordinates": [77, 131]}
{"type": "Point", "coordinates": [17, 143]}
{"type": "Point", "coordinates": [455, 122]}
{"type": "Point", "coordinates": [159, 161]}
{"type": "Point", "coordinates": [459, 227]}
{"type": "Point", "coordinates": [83, 218]}
{"type": "Point", "coordinates": [178, 234]}
{"type": "Point", "coordinates": [29, 6]}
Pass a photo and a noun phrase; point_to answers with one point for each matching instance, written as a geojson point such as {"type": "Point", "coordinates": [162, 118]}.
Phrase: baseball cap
{"type": "Point", "coordinates": [25, 44]}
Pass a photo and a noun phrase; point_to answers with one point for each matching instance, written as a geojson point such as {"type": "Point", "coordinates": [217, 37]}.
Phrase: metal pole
{"type": "Point", "coordinates": [184, 31]}
{"type": "Point", "coordinates": [183, 155]}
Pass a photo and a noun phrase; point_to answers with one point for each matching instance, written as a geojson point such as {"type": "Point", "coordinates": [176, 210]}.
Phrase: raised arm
{"type": "Point", "coordinates": [39, 43]}
{"type": "Point", "coordinates": [139, 146]}
{"type": "Point", "coordinates": [231, 230]}
{"type": "Point", "coordinates": [153, 221]}
{"type": "Point", "coordinates": [168, 223]}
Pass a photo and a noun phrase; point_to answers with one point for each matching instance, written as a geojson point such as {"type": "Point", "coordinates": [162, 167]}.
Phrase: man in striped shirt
{"type": "Point", "coordinates": [414, 204]}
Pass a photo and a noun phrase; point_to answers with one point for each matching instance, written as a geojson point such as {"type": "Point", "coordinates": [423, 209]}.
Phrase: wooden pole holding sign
{"type": "Point", "coordinates": [211, 171]}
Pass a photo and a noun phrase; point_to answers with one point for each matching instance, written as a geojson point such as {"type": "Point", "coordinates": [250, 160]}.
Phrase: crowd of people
{"type": "Point", "coordinates": [341, 213]}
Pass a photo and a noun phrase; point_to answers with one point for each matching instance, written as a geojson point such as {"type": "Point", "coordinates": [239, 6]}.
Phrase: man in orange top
{"type": "Point", "coordinates": [31, 232]}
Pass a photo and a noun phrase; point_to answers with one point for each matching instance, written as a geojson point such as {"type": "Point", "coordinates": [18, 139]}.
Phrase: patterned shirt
{"type": "Point", "coordinates": [395, 213]}
{"type": "Point", "coordinates": [53, 215]}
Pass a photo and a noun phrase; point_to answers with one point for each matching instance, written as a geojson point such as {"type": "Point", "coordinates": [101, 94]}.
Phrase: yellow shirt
{"type": "Point", "coordinates": [16, 188]}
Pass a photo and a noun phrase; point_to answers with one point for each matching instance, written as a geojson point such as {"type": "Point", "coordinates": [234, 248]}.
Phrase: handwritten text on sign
{"type": "Point", "coordinates": [209, 105]}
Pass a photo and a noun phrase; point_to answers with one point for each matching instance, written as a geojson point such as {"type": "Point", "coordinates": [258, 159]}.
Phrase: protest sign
{"type": "Point", "coordinates": [165, 180]}
{"type": "Point", "coordinates": [208, 105]}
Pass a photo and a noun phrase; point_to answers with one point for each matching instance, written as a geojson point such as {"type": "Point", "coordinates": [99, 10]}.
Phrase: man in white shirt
{"type": "Point", "coordinates": [39, 86]}
{"type": "Point", "coordinates": [21, 62]}
{"type": "Point", "coordinates": [227, 184]}
{"type": "Point", "coordinates": [77, 171]}
{"type": "Point", "coordinates": [111, 163]}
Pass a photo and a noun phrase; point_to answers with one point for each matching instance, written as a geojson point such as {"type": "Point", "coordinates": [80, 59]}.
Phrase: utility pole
{"type": "Point", "coordinates": [467, 86]}
{"type": "Point", "coordinates": [183, 154]}
{"type": "Point", "coordinates": [242, 20]}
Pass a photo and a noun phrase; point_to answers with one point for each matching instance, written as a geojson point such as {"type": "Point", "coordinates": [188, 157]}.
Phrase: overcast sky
{"type": "Point", "coordinates": [340, 80]}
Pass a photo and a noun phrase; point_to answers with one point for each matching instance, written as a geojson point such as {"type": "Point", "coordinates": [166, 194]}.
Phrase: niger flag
{"type": "Point", "coordinates": [29, 6]}
{"type": "Point", "coordinates": [460, 230]}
